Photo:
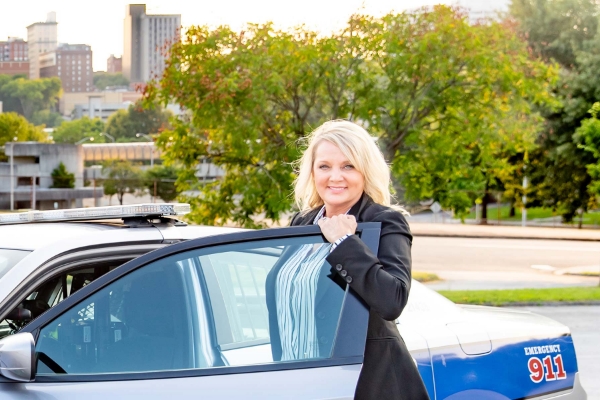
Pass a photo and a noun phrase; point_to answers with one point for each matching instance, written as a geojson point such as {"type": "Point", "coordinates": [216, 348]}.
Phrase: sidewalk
{"type": "Point", "coordinates": [502, 232]}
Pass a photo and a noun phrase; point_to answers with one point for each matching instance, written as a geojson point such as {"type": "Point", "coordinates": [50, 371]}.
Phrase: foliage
{"type": "Point", "coordinates": [451, 103]}
{"type": "Point", "coordinates": [124, 124]}
{"type": "Point", "coordinates": [50, 119]}
{"type": "Point", "coordinates": [26, 96]}
{"type": "Point", "coordinates": [122, 177]}
{"type": "Point", "coordinates": [566, 31]}
{"type": "Point", "coordinates": [13, 125]}
{"type": "Point", "coordinates": [588, 136]}
{"type": "Point", "coordinates": [61, 178]}
{"type": "Point", "coordinates": [103, 79]}
{"type": "Point", "coordinates": [162, 179]}
{"type": "Point", "coordinates": [74, 131]}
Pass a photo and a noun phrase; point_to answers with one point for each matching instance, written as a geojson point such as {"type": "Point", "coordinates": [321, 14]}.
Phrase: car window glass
{"type": "Point", "coordinates": [230, 305]}
{"type": "Point", "coordinates": [48, 294]}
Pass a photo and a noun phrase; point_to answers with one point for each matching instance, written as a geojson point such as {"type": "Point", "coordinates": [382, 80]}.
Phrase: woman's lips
{"type": "Point", "coordinates": [336, 189]}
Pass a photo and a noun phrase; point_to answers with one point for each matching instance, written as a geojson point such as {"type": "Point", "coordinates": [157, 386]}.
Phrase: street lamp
{"type": "Point", "coordinates": [111, 137]}
{"type": "Point", "coordinates": [150, 139]}
{"type": "Point", "coordinates": [12, 173]}
{"type": "Point", "coordinates": [90, 138]}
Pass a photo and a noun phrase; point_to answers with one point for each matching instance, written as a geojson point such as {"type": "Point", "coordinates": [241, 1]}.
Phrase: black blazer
{"type": "Point", "coordinates": [383, 281]}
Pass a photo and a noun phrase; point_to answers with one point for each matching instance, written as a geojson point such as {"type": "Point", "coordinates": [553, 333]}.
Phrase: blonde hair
{"type": "Point", "coordinates": [359, 148]}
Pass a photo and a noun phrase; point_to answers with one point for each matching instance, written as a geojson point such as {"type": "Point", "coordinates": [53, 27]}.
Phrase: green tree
{"type": "Point", "coordinates": [61, 178]}
{"type": "Point", "coordinates": [122, 177]}
{"type": "Point", "coordinates": [74, 131]}
{"type": "Point", "coordinates": [124, 124]}
{"type": "Point", "coordinates": [588, 138]}
{"type": "Point", "coordinates": [565, 31]}
{"type": "Point", "coordinates": [13, 125]}
{"type": "Point", "coordinates": [103, 79]}
{"type": "Point", "coordinates": [160, 179]}
{"type": "Point", "coordinates": [50, 119]}
{"type": "Point", "coordinates": [450, 102]}
{"type": "Point", "coordinates": [33, 95]}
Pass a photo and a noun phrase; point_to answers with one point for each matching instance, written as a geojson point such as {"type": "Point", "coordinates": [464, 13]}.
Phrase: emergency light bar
{"type": "Point", "coordinates": [92, 213]}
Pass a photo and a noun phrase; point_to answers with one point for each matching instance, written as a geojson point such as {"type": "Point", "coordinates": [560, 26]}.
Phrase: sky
{"type": "Point", "coordinates": [100, 23]}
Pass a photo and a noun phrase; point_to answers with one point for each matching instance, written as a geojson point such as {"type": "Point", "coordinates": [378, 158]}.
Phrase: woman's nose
{"type": "Point", "coordinates": [336, 174]}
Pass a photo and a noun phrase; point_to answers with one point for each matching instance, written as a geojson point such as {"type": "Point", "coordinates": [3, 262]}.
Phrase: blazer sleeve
{"type": "Point", "coordinates": [382, 280]}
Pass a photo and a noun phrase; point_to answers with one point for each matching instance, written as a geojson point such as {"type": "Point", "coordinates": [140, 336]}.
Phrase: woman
{"type": "Point", "coordinates": [343, 179]}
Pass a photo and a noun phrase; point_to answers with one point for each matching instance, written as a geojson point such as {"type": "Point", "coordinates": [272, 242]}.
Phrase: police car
{"type": "Point", "coordinates": [129, 302]}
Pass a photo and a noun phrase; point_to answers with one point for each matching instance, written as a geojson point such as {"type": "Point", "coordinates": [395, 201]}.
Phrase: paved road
{"type": "Point", "coordinates": [486, 263]}
{"type": "Point", "coordinates": [584, 322]}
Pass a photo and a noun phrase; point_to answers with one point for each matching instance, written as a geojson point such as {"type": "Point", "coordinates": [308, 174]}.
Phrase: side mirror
{"type": "Point", "coordinates": [17, 357]}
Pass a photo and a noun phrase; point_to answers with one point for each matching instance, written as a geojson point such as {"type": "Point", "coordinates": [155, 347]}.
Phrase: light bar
{"type": "Point", "coordinates": [92, 213]}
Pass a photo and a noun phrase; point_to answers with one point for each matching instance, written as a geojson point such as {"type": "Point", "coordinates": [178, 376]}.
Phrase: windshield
{"type": "Point", "coordinates": [10, 258]}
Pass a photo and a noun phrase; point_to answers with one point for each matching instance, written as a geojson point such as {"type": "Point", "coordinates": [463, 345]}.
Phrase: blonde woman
{"type": "Point", "coordinates": [344, 179]}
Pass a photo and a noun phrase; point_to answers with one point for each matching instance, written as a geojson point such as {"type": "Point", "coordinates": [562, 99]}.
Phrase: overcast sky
{"type": "Point", "coordinates": [100, 23]}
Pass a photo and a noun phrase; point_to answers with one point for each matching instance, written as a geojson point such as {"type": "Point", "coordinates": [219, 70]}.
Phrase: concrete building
{"type": "Point", "coordinates": [76, 105]}
{"type": "Point", "coordinates": [42, 37]}
{"type": "Point", "coordinates": [147, 39]}
{"type": "Point", "coordinates": [14, 68]}
{"type": "Point", "coordinates": [72, 63]}
{"type": "Point", "coordinates": [33, 164]}
{"type": "Point", "coordinates": [114, 64]}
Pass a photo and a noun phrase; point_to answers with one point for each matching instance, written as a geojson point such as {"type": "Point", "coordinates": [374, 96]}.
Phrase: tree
{"type": "Point", "coordinates": [449, 101]}
{"type": "Point", "coordinates": [13, 125]}
{"type": "Point", "coordinates": [61, 178]}
{"type": "Point", "coordinates": [122, 177]}
{"type": "Point", "coordinates": [74, 131]}
{"type": "Point", "coordinates": [49, 119]}
{"type": "Point", "coordinates": [588, 138]}
{"type": "Point", "coordinates": [102, 80]}
{"type": "Point", "coordinates": [565, 31]}
{"type": "Point", "coordinates": [124, 124]}
{"type": "Point", "coordinates": [33, 95]}
{"type": "Point", "coordinates": [160, 179]}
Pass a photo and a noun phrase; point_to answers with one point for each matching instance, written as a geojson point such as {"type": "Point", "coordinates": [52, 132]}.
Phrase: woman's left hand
{"type": "Point", "coordinates": [337, 226]}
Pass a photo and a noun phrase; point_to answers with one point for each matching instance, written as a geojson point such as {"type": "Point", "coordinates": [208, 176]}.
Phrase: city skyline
{"type": "Point", "coordinates": [102, 27]}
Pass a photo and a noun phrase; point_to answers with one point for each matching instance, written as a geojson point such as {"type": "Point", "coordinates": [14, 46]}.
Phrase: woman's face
{"type": "Point", "coordinates": [338, 183]}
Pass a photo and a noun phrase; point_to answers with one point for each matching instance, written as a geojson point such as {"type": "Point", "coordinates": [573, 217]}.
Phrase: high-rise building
{"type": "Point", "coordinates": [147, 39]}
{"type": "Point", "coordinates": [42, 37]}
{"type": "Point", "coordinates": [114, 64]}
{"type": "Point", "coordinates": [72, 63]}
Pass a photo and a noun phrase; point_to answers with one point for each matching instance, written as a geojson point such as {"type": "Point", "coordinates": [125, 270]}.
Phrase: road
{"type": "Point", "coordinates": [584, 322]}
{"type": "Point", "coordinates": [486, 263]}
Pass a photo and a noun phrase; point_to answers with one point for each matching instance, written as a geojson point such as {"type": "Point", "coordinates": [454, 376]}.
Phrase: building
{"type": "Point", "coordinates": [14, 57]}
{"type": "Point", "coordinates": [33, 164]}
{"type": "Point", "coordinates": [146, 42]}
{"type": "Point", "coordinates": [42, 37]}
{"type": "Point", "coordinates": [114, 64]}
{"type": "Point", "coordinates": [72, 63]}
{"type": "Point", "coordinates": [14, 49]}
{"type": "Point", "coordinates": [102, 104]}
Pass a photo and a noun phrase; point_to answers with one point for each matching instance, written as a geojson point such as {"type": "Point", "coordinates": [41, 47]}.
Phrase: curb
{"type": "Point", "coordinates": [542, 303]}
{"type": "Point", "coordinates": [466, 236]}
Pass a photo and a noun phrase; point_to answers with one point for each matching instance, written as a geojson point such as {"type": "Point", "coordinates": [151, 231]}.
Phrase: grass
{"type": "Point", "coordinates": [592, 218]}
{"type": "Point", "coordinates": [524, 296]}
{"type": "Point", "coordinates": [425, 276]}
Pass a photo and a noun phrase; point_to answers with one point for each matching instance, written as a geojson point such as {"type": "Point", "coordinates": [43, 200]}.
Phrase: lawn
{"type": "Point", "coordinates": [524, 296]}
{"type": "Point", "coordinates": [592, 218]}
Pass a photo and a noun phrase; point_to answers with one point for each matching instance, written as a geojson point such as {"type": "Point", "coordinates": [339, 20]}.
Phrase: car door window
{"type": "Point", "coordinates": [228, 305]}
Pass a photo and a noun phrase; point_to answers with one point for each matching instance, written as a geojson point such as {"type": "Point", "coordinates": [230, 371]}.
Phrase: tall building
{"type": "Point", "coordinates": [114, 64]}
{"type": "Point", "coordinates": [14, 57]}
{"type": "Point", "coordinates": [72, 63]}
{"type": "Point", "coordinates": [42, 37]}
{"type": "Point", "coordinates": [146, 42]}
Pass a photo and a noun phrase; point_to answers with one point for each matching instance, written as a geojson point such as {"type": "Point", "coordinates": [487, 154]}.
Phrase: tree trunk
{"type": "Point", "coordinates": [484, 209]}
{"type": "Point", "coordinates": [512, 211]}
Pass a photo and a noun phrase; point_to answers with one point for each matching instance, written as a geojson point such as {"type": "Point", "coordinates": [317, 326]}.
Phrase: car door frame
{"type": "Point", "coordinates": [350, 337]}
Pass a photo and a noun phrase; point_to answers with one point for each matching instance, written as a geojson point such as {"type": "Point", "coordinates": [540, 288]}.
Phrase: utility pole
{"type": "Point", "coordinates": [12, 175]}
{"type": "Point", "coordinates": [524, 208]}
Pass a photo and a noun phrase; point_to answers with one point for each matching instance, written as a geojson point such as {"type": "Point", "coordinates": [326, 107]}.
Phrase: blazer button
{"type": "Point", "coordinates": [323, 340]}
{"type": "Point", "coordinates": [320, 315]}
{"type": "Point", "coordinates": [343, 273]}
{"type": "Point", "coordinates": [338, 267]}
{"type": "Point", "coordinates": [349, 279]}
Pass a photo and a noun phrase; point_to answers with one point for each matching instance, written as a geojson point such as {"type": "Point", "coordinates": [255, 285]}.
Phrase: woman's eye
{"type": "Point", "coordinates": [323, 166]}
{"type": "Point", "coordinates": [348, 166]}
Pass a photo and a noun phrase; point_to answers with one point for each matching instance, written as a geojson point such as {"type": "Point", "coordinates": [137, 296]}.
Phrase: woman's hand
{"type": "Point", "coordinates": [337, 226]}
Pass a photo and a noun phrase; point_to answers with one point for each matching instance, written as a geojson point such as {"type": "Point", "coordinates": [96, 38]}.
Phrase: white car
{"type": "Point", "coordinates": [127, 302]}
